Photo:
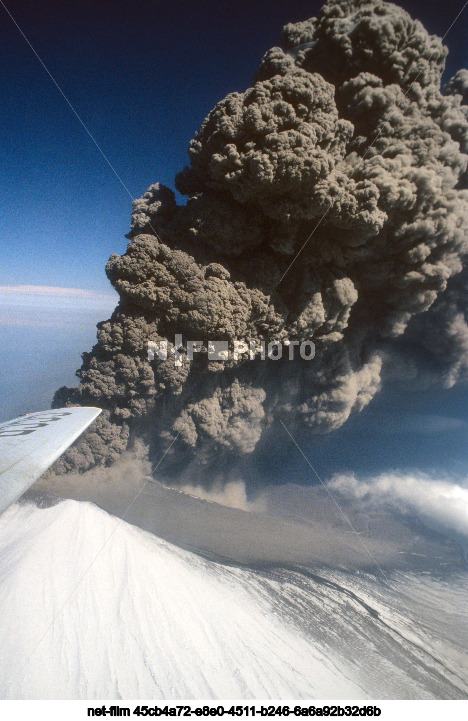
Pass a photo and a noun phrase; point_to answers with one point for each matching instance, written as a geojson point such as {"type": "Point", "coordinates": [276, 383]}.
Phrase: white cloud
{"type": "Point", "coordinates": [22, 304]}
{"type": "Point", "coordinates": [440, 503]}
{"type": "Point", "coordinates": [52, 291]}
{"type": "Point", "coordinates": [49, 290]}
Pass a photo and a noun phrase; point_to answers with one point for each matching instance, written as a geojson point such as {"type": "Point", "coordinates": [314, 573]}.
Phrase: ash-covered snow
{"type": "Point", "coordinates": [92, 607]}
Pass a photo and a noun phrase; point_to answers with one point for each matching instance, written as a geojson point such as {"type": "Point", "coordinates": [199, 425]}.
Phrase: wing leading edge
{"type": "Point", "coordinates": [31, 443]}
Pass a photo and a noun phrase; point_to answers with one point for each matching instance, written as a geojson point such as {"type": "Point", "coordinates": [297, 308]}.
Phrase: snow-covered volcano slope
{"type": "Point", "coordinates": [92, 607]}
{"type": "Point", "coordinates": [146, 619]}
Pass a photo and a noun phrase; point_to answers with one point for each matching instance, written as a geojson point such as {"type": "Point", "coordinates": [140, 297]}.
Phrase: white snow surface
{"type": "Point", "coordinates": [92, 607]}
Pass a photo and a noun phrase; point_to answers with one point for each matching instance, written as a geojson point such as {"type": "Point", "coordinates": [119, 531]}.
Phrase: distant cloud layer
{"type": "Point", "coordinates": [51, 291]}
{"type": "Point", "coordinates": [43, 306]}
{"type": "Point", "coordinates": [32, 292]}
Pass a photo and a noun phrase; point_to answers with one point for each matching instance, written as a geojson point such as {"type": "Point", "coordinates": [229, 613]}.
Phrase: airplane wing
{"type": "Point", "coordinates": [31, 443]}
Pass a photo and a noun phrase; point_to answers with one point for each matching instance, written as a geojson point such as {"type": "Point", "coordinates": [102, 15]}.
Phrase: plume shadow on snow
{"type": "Point", "coordinates": [288, 524]}
{"type": "Point", "coordinates": [135, 616]}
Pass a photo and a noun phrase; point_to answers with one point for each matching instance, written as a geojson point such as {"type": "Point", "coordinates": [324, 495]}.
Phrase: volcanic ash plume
{"type": "Point", "coordinates": [345, 147]}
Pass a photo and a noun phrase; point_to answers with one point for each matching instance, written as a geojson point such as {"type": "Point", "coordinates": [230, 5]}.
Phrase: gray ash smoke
{"type": "Point", "coordinates": [346, 135]}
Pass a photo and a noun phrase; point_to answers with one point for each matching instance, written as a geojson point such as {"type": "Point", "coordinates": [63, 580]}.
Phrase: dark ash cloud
{"type": "Point", "coordinates": [346, 135]}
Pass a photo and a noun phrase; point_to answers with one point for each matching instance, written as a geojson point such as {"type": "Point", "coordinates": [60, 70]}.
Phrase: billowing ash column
{"type": "Point", "coordinates": [325, 204]}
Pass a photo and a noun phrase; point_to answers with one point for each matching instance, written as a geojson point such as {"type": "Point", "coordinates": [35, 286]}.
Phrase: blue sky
{"type": "Point", "coordinates": [142, 76]}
